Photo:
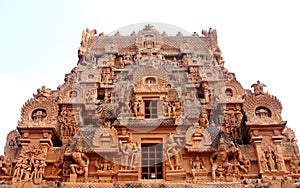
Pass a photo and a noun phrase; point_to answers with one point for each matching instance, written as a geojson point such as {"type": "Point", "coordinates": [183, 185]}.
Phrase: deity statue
{"type": "Point", "coordinates": [203, 119]}
{"type": "Point", "coordinates": [81, 162]}
{"type": "Point", "coordinates": [271, 162]}
{"type": "Point", "coordinates": [264, 163]}
{"type": "Point", "coordinates": [30, 164]}
{"type": "Point", "coordinates": [244, 163]}
{"type": "Point", "coordinates": [219, 161]}
{"type": "Point", "coordinates": [39, 117]}
{"type": "Point", "coordinates": [172, 149]}
{"type": "Point", "coordinates": [38, 171]}
{"type": "Point", "coordinates": [130, 153]}
{"type": "Point", "coordinates": [68, 122]}
{"type": "Point", "coordinates": [5, 165]}
{"type": "Point", "coordinates": [103, 164]}
{"type": "Point", "coordinates": [278, 162]}
{"type": "Point", "coordinates": [138, 108]}
{"type": "Point", "coordinates": [197, 164]}
{"type": "Point", "coordinates": [199, 130]}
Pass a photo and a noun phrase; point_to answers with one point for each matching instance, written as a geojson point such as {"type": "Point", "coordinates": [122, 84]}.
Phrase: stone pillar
{"type": "Point", "coordinates": [256, 140]}
{"type": "Point", "coordinates": [278, 141]}
{"type": "Point", "coordinates": [258, 151]}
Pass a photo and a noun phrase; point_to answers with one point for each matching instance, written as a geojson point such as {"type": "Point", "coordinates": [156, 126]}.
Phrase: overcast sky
{"type": "Point", "coordinates": [39, 41]}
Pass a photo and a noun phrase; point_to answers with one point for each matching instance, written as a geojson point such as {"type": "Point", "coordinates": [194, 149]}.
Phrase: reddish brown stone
{"type": "Point", "coordinates": [150, 108]}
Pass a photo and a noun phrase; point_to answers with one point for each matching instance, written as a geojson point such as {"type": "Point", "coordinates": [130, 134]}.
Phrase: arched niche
{"type": "Point", "coordinates": [263, 112]}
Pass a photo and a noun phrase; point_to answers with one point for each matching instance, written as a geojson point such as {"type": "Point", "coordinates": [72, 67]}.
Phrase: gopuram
{"type": "Point", "coordinates": [151, 110]}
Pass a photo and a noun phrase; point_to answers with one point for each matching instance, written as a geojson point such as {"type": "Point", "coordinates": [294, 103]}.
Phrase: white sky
{"type": "Point", "coordinates": [39, 41]}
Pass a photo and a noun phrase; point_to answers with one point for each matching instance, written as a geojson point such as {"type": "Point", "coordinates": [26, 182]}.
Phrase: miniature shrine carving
{"type": "Point", "coordinates": [197, 138]}
{"type": "Point", "coordinates": [106, 137]}
{"type": "Point", "coordinates": [151, 108]}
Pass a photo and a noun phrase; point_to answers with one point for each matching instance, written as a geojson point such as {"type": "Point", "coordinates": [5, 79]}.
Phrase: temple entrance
{"type": "Point", "coordinates": [152, 161]}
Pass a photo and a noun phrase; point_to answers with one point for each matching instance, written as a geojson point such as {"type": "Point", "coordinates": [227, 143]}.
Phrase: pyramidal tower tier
{"type": "Point", "coordinates": [146, 109]}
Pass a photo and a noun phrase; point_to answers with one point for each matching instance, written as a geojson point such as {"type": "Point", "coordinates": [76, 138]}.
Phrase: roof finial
{"type": "Point", "coordinates": [258, 88]}
{"type": "Point", "coordinates": [148, 27]}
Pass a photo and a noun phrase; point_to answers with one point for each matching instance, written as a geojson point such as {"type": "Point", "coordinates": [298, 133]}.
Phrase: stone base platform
{"type": "Point", "coordinates": [154, 185]}
{"type": "Point", "coordinates": [128, 175]}
{"type": "Point", "coordinates": [176, 175]}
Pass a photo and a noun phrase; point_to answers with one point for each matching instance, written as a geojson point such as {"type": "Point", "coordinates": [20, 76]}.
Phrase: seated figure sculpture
{"type": "Point", "coordinates": [81, 162]}
{"type": "Point", "coordinates": [219, 161]}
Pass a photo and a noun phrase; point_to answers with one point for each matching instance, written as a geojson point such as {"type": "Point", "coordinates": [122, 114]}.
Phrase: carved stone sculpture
{"type": "Point", "coordinates": [155, 108]}
{"type": "Point", "coordinates": [258, 88]}
{"type": "Point", "coordinates": [220, 164]}
{"type": "Point", "coordinates": [68, 124]}
{"type": "Point", "coordinates": [130, 153]}
{"type": "Point", "coordinates": [85, 38]}
{"type": "Point", "coordinates": [81, 162]}
{"type": "Point", "coordinates": [294, 164]}
{"type": "Point", "coordinates": [198, 168]}
{"type": "Point", "coordinates": [30, 165]}
{"type": "Point", "coordinates": [172, 149]}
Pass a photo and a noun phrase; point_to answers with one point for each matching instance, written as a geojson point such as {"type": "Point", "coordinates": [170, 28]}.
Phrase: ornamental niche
{"type": "Point", "coordinates": [155, 109]}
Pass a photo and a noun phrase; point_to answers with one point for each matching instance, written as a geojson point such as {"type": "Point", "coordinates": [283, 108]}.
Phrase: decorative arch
{"type": "Point", "coordinates": [267, 103]}
{"type": "Point", "coordinates": [149, 71]}
{"type": "Point", "coordinates": [106, 138]}
{"type": "Point", "coordinates": [70, 94]}
{"type": "Point", "coordinates": [47, 107]}
{"type": "Point", "coordinates": [230, 91]}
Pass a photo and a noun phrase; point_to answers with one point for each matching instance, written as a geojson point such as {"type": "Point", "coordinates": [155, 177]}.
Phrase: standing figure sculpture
{"type": "Point", "coordinates": [264, 163]}
{"type": "Point", "coordinates": [271, 161]}
{"type": "Point", "coordinates": [130, 152]}
{"type": "Point", "coordinates": [173, 148]}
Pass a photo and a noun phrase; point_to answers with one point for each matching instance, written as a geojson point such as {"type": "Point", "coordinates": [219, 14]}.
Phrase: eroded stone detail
{"type": "Point", "coordinates": [30, 164]}
{"type": "Point", "coordinates": [155, 107]}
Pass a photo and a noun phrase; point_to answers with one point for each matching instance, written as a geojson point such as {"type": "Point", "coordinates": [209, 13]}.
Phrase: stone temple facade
{"type": "Point", "coordinates": [151, 109]}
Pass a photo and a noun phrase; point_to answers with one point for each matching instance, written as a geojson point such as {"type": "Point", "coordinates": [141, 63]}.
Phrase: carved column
{"type": "Point", "coordinates": [277, 139]}
{"type": "Point", "coordinates": [256, 140]}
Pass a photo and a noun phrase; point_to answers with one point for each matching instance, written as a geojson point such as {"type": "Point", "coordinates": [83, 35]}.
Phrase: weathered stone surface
{"type": "Point", "coordinates": [150, 108]}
